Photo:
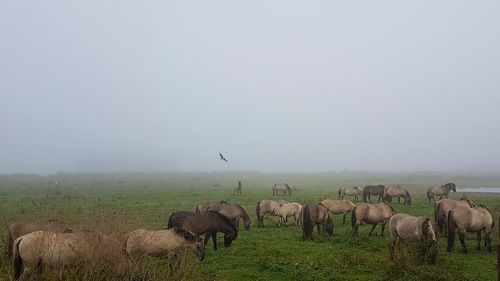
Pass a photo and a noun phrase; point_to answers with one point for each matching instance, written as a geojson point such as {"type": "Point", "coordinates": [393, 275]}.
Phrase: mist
{"type": "Point", "coordinates": [275, 86]}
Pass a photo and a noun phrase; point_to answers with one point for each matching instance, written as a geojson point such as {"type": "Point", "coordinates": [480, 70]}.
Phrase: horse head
{"type": "Point", "coordinates": [329, 226]}
{"type": "Point", "coordinates": [451, 186]}
{"type": "Point", "coordinates": [428, 231]}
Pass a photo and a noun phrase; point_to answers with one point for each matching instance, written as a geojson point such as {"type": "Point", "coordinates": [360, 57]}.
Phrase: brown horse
{"type": "Point", "coordinates": [403, 227]}
{"type": "Point", "coordinates": [373, 190]}
{"type": "Point", "coordinates": [467, 219]}
{"type": "Point", "coordinates": [350, 191]}
{"type": "Point", "coordinates": [281, 188]}
{"type": "Point", "coordinates": [163, 243]}
{"type": "Point", "coordinates": [20, 228]}
{"type": "Point", "coordinates": [372, 214]}
{"type": "Point", "coordinates": [41, 249]}
{"type": "Point", "coordinates": [208, 223]}
{"type": "Point", "coordinates": [441, 212]}
{"type": "Point", "coordinates": [338, 207]}
{"type": "Point", "coordinates": [442, 190]}
{"type": "Point", "coordinates": [315, 215]}
{"type": "Point", "coordinates": [397, 191]}
{"type": "Point", "coordinates": [266, 207]}
{"type": "Point", "coordinates": [233, 212]}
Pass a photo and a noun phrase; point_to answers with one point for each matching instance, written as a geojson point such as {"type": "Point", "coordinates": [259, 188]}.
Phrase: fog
{"type": "Point", "coordinates": [276, 86]}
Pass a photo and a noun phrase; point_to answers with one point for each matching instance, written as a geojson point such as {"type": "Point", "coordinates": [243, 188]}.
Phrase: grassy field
{"type": "Point", "coordinates": [123, 202]}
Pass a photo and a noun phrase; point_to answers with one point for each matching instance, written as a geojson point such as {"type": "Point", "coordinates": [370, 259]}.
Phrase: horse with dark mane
{"type": "Point", "coordinates": [441, 212]}
{"type": "Point", "coordinates": [397, 191]}
{"type": "Point", "coordinates": [372, 214]}
{"type": "Point", "coordinates": [441, 191]}
{"type": "Point", "coordinates": [208, 223]}
{"type": "Point", "coordinates": [267, 207]}
{"type": "Point", "coordinates": [373, 190]}
{"type": "Point", "coordinates": [283, 188]}
{"type": "Point", "coordinates": [233, 212]}
{"type": "Point", "coordinates": [315, 215]}
{"type": "Point", "coordinates": [350, 191]}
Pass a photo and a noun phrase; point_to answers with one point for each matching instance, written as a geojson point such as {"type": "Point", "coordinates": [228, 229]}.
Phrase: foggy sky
{"type": "Point", "coordinates": [274, 85]}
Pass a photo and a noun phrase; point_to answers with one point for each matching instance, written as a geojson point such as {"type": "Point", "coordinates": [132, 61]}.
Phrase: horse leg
{"type": "Point", "coordinates": [478, 240]}
{"type": "Point", "coordinates": [343, 220]}
{"type": "Point", "coordinates": [383, 228]}
{"type": "Point", "coordinates": [487, 240]}
{"type": "Point", "coordinates": [461, 237]}
{"type": "Point", "coordinates": [214, 239]}
{"type": "Point", "coordinates": [319, 228]}
{"type": "Point", "coordinates": [371, 231]}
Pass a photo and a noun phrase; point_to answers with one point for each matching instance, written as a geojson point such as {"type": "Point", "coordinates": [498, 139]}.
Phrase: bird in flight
{"type": "Point", "coordinates": [222, 157]}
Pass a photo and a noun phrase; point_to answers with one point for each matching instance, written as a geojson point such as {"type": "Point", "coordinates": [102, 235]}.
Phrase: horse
{"type": "Point", "coordinates": [281, 188]}
{"type": "Point", "coordinates": [232, 212]}
{"type": "Point", "coordinates": [203, 207]}
{"type": "Point", "coordinates": [207, 223]}
{"type": "Point", "coordinates": [441, 211]}
{"type": "Point", "coordinates": [372, 214]}
{"type": "Point", "coordinates": [397, 191]}
{"type": "Point", "coordinates": [315, 215]}
{"type": "Point", "coordinates": [20, 228]}
{"type": "Point", "coordinates": [288, 210]}
{"type": "Point", "coordinates": [338, 207]}
{"type": "Point", "coordinates": [37, 250]}
{"type": "Point", "coordinates": [160, 243]}
{"type": "Point", "coordinates": [266, 207]}
{"type": "Point", "coordinates": [373, 190]}
{"type": "Point", "coordinates": [442, 190]}
{"type": "Point", "coordinates": [237, 190]}
{"type": "Point", "coordinates": [350, 191]}
{"type": "Point", "coordinates": [403, 227]}
{"type": "Point", "coordinates": [467, 219]}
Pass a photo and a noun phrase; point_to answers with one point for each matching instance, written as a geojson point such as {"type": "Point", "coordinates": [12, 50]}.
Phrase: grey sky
{"type": "Point", "coordinates": [273, 85]}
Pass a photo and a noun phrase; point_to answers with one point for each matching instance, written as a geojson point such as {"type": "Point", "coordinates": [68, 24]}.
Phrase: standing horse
{"type": "Point", "coordinates": [467, 219]}
{"type": "Point", "coordinates": [441, 212]}
{"type": "Point", "coordinates": [372, 214]}
{"type": "Point", "coordinates": [20, 228]}
{"type": "Point", "coordinates": [350, 191]}
{"type": "Point", "coordinates": [315, 215]}
{"type": "Point", "coordinates": [403, 227]}
{"type": "Point", "coordinates": [207, 223]}
{"type": "Point", "coordinates": [266, 207]}
{"type": "Point", "coordinates": [288, 210]}
{"type": "Point", "coordinates": [232, 212]}
{"type": "Point", "coordinates": [163, 243]}
{"type": "Point", "coordinates": [373, 190]}
{"type": "Point", "coordinates": [237, 190]}
{"type": "Point", "coordinates": [338, 207]}
{"type": "Point", "coordinates": [397, 191]}
{"type": "Point", "coordinates": [442, 190]}
{"type": "Point", "coordinates": [42, 249]}
{"type": "Point", "coordinates": [281, 188]}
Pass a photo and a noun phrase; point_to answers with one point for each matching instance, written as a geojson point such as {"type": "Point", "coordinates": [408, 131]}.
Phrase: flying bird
{"type": "Point", "coordinates": [222, 157]}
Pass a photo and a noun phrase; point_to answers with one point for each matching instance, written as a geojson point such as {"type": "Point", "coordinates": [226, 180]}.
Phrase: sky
{"type": "Point", "coordinates": [276, 86]}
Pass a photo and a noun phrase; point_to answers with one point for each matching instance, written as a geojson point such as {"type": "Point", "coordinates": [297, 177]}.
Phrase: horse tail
{"type": "Point", "coordinates": [170, 224]}
{"type": "Point", "coordinates": [307, 225]}
{"type": "Point", "coordinates": [340, 192]}
{"type": "Point", "coordinates": [438, 216]}
{"type": "Point", "coordinates": [429, 195]}
{"type": "Point", "coordinates": [451, 231]}
{"type": "Point", "coordinates": [365, 194]}
{"type": "Point", "coordinates": [17, 261]}
{"type": "Point", "coordinates": [408, 197]}
{"type": "Point", "coordinates": [353, 216]}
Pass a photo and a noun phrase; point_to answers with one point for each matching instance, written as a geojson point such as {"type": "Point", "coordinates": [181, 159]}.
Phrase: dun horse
{"type": "Point", "coordinates": [41, 249]}
{"type": "Point", "coordinates": [159, 243]}
{"type": "Point", "coordinates": [315, 215]}
{"type": "Point", "coordinates": [372, 214]}
{"type": "Point", "coordinates": [338, 207]}
{"type": "Point", "coordinates": [283, 188]}
{"type": "Point", "coordinates": [466, 219]}
{"type": "Point", "coordinates": [288, 210]}
{"type": "Point", "coordinates": [208, 223]}
{"type": "Point", "coordinates": [403, 227]}
{"type": "Point", "coordinates": [232, 212]}
{"type": "Point", "coordinates": [397, 191]}
{"type": "Point", "coordinates": [373, 190]}
{"type": "Point", "coordinates": [441, 212]}
{"type": "Point", "coordinates": [20, 228]}
{"type": "Point", "coordinates": [237, 190]}
{"type": "Point", "coordinates": [442, 190]}
{"type": "Point", "coordinates": [266, 207]}
{"type": "Point", "coordinates": [350, 191]}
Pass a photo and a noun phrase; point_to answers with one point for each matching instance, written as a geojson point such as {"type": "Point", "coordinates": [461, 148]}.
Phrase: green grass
{"type": "Point", "coordinates": [125, 202]}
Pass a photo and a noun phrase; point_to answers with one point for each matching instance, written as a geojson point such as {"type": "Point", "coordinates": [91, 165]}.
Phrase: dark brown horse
{"type": "Point", "coordinates": [373, 190]}
{"type": "Point", "coordinates": [313, 214]}
{"type": "Point", "coordinates": [208, 223]}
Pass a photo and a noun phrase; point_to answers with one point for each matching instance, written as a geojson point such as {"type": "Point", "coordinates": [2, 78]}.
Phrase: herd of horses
{"type": "Point", "coordinates": [33, 246]}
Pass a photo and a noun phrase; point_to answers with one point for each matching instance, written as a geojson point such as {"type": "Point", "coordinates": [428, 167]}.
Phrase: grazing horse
{"type": "Point", "coordinates": [288, 210]}
{"type": "Point", "coordinates": [281, 188]}
{"type": "Point", "coordinates": [467, 219]}
{"type": "Point", "coordinates": [441, 212]}
{"type": "Point", "coordinates": [237, 190]}
{"type": "Point", "coordinates": [350, 191]}
{"type": "Point", "coordinates": [338, 207]}
{"type": "Point", "coordinates": [372, 214]}
{"type": "Point", "coordinates": [163, 243]}
{"type": "Point", "coordinates": [232, 212]}
{"type": "Point", "coordinates": [207, 223]}
{"type": "Point", "coordinates": [20, 228]}
{"type": "Point", "coordinates": [315, 215]}
{"type": "Point", "coordinates": [373, 190]}
{"type": "Point", "coordinates": [441, 191]}
{"type": "Point", "coordinates": [397, 191]}
{"type": "Point", "coordinates": [43, 249]}
{"type": "Point", "coordinates": [266, 207]}
{"type": "Point", "coordinates": [403, 227]}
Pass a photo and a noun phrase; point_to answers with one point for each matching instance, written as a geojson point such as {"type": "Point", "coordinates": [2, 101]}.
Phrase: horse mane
{"type": "Point", "coordinates": [471, 204]}
{"type": "Point", "coordinates": [188, 235]}
{"type": "Point", "coordinates": [224, 219]}
{"type": "Point", "coordinates": [245, 213]}
{"type": "Point", "coordinates": [483, 206]}
{"type": "Point", "coordinates": [390, 207]}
